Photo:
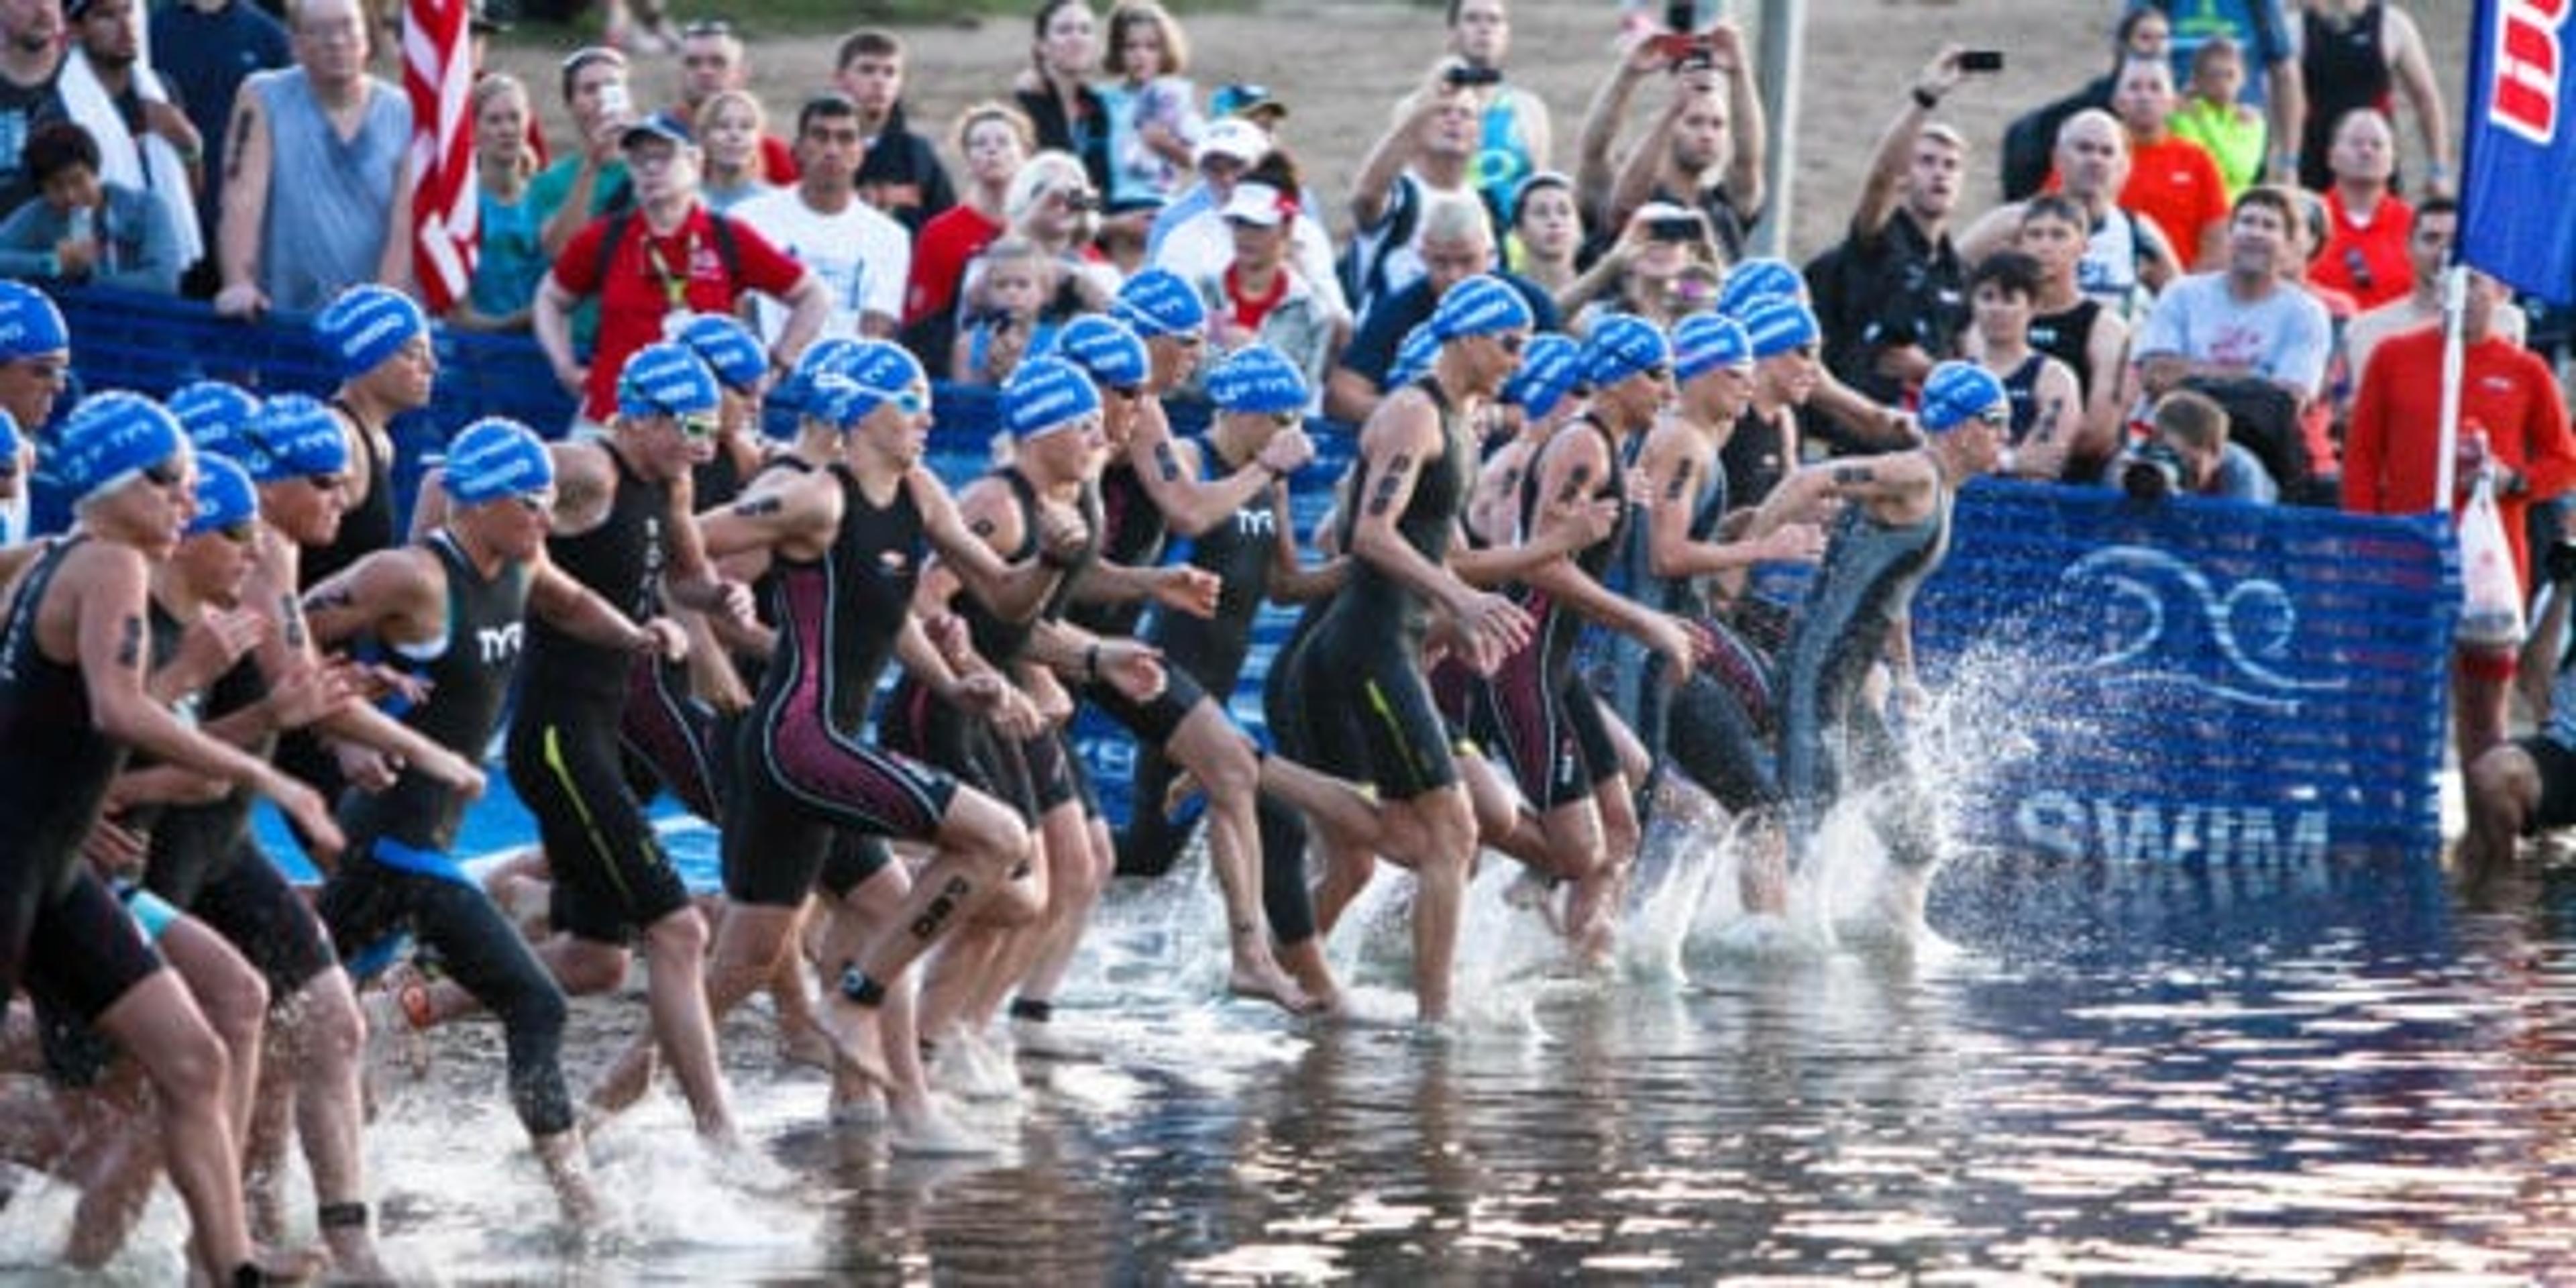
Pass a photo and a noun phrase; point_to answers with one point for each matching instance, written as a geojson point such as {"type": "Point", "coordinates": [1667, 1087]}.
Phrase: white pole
{"type": "Point", "coordinates": [1784, 43]}
{"type": "Point", "coordinates": [2455, 301]}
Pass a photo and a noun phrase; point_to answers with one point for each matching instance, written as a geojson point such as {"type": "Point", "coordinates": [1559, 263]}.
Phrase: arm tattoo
{"type": "Point", "coordinates": [129, 644]}
{"type": "Point", "coordinates": [1389, 483]}
{"type": "Point", "coordinates": [1574, 483]}
{"type": "Point", "coordinates": [290, 618]}
{"type": "Point", "coordinates": [1167, 461]}
{"type": "Point", "coordinates": [757, 506]}
{"type": "Point", "coordinates": [1680, 486]}
{"type": "Point", "coordinates": [1849, 474]}
{"type": "Point", "coordinates": [241, 140]}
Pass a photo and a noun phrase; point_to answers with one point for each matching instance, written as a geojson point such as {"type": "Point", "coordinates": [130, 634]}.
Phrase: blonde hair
{"type": "Point", "coordinates": [494, 85]}
{"type": "Point", "coordinates": [1048, 172]}
{"type": "Point", "coordinates": [758, 167]}
{"type": "Point", "coordinates": [993, 110]}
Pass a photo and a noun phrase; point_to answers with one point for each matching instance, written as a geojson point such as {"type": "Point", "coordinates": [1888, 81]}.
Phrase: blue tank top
{"type": "Point", "coordinates": [330, 203]}
{"type": "Point", "coordinates": [1502, 162]}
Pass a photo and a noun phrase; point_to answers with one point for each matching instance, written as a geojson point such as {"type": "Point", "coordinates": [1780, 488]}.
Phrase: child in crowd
{"type": "Point", "coordinates": [1018, 280]}
{"type": "Point", "coordinates": [1153, 109]}
{"type": "Point", "coordinates": [2210, 116]}
{"type": "Point", "coordinates": [730, 127]}
{"type": "Point", "coordinates": [1546, 233]}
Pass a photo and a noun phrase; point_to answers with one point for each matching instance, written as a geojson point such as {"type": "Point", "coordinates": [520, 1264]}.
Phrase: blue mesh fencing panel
{"type": "Point", "coordinates": [2190, 678]}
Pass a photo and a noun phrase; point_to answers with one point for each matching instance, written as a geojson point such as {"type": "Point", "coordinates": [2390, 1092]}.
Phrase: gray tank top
{"type": "Point", "coordinates": [330, 202]}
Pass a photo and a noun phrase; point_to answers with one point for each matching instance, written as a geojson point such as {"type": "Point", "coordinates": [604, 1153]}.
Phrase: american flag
{"type": "Point", "coordinates": [438, 77]}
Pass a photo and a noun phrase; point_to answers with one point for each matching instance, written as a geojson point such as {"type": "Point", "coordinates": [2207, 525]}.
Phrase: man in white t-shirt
{"type": "Point", "coordinates": [861, 255]}
{"type": "Point", "coordinates": [2244, 321]}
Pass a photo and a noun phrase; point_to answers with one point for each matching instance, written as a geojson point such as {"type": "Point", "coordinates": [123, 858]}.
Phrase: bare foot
{"type": "Point", "coordinates": [288, 1265]}
{"type": "Point", "coordinates": [354, 1259]}
{"type": "Point", "coordinates": [1259, 978]}
{"type": "Point", "coordinates": [623, 1085]}
{"type": "Point", "coordinates": [568, 1170]}
{"type": "Point", "coordinates": [856, 1035]}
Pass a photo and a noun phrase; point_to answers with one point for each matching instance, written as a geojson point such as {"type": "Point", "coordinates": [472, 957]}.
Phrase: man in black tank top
{"type": "Point", "coordinates": [624, 526]}
{"type": "Point", "coordinates": [1893, 531]}
{"type": "Point", "coordinates": [1366, 699]}
{"type": "Point", "coordinates": [451, 610]}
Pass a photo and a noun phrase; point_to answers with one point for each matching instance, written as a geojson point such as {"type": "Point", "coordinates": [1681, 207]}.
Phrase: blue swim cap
{"type": "Point", "coordinates": [1413, 356]}
{"type": "Point", "coordinates": [827, 356]}
{"type": "Point", "coordinates": [1757, 279]}
{"type": "Point", "coordinates": [1704, 342]}
{"type": "Point", "coordinates": [294, 435]}
{"type": "Point", "coordinates": [1480, 305]}
{"type": "Point", "coordinates": [1157, 302]}
{"type": "Point", "coordinates": [109, 438]}
{"type": "Point", "coordinates": [1550, 368]}
{"type": "Point", "coordinates": [872, 374]}
{"type": "Point", "coordinates": [367, 324]}
{"type": "Point", "coordinates": [496, 457]}
{"type": "Point", "coordinates": [666, 379]}
{"type": "Point", "coordinates": [217, 417]}
{"type": "Point", "coordinates": [728, 348]}
{"type": "Point", "coordinates": [1777, 323]}
{"type": "Point", "coordinates": [30, 325]}
{"type": "Point", "coordinates": [1958, 392]}
{"type": "Point", "coordinates": [224, 496]}
{"type": "Point", "coordinates": [1106, 349]}
{"type": "Point", "coordinates": [1622, 345]}
{"type": "Point", "coordinates": [1257, 378]}
{"type": "Point", "coordinates": [1045, 395]}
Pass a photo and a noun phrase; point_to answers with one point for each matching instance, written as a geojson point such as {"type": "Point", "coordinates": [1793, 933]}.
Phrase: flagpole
{"type": "Point", "coordinates": [2455, 297]}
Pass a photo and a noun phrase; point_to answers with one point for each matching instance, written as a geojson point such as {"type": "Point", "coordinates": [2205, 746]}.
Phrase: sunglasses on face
{"type": "Point", "coordinates": [323, 482]}
{"type": "Point", "coordinates": [167, 473]}
{"type": "Point", "coordinates": [1511, 342]}
{"type": "Point", "coordinates": [239, 534]}
{"type": "Point", "coordinates": [1659, 373]}
{"type": "Point", "coordinates": [1996, 416]}
{"type": "Point", "coordinates": [1287, 419]}
{"type": "Point", "coordinates": [536, 502]}
{"type": "Point", "coordinates": [1128, 392]}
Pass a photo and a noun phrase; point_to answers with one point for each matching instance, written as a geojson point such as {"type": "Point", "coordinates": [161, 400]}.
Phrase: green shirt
{"type": "Point", "coordinates": [2233, 134]}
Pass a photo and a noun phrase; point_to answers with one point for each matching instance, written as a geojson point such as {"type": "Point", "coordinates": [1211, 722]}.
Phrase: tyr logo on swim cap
{"type": "Point", "coordinates": [1757, 279]}
{"type": "Point", "coordinates": [1480, 305]}
{"type": "Point", "coordinates": [1550, 368]}
{"type": "Point", "coordinates": [368, 324]}
{"type": "Point", "coordinates": [110, 438]}
{"type": "Point", "coordinates": [1257, 378]}
{"type": "Point", "coordinates": [1958, 392]}
{"type": "Point", "coordinates": [496, 457]}
{"type": "Point", "coordinates": [871, 375]}
{"type": "Point", "coordinates": [727, 347]}
{"type": "Point", "coordinates": [294, 436]}
{"type": "Point", "coordinates": [1621, 346]}
{"type": "Point", "coordinates": [666, 379]}
{"type": "Point", "coordinates": [1777, 324]}
{"type": "Point", "coordinates": [1106, 349]}
{"type": "Point", "coordinates": [217, 417]}
{"type": "Point", "coordinates": [1157, 302]}
{"type": "Point", "coordinates": [1045, 395]}
{"type": "Point", "coordinates": [1704, 342]}
{"type": "Point", "coordinates": [224, 496]}
{"type": "Point", "coordinates": [30, 325]}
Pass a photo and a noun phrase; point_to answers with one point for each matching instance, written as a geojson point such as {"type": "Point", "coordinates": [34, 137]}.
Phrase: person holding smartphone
{"type": "Point", "coordinates": [1704, 150]}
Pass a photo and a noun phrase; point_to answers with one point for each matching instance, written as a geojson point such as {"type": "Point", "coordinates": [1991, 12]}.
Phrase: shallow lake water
{"type": "Point", "coordinates": [2304, 1074]}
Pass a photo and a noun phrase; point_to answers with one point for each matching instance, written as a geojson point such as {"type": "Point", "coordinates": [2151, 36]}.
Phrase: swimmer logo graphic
{"type": "Point", "coordinates": [2166, 626]}
{"type": "Point", "coordinates": [2519, 150]}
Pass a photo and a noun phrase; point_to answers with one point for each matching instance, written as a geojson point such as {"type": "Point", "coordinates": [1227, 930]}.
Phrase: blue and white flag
{"type": "Point", "coordinates": [2515, 220]}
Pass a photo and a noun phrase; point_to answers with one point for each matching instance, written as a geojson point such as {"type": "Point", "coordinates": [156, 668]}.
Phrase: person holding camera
{"type": "Point", "coordinates": [1665, 267]}
{"type": "Point", "coordinates": [1890, 294]}
{"type": "Point", "coordinates": [1422, 157]}
{"type": "Point", "coordinates": [1705, 150]}
{"type": "Point", "coordinates": [1515, 134]}
{"type": "Point", "coordinates": [2189, 455]}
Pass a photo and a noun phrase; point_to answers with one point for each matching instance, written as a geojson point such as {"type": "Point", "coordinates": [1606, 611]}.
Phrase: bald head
{"type": "Point", "coordinates": [2364, 148]}
{"type": "Point", "coordinates": [2093, 156]}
